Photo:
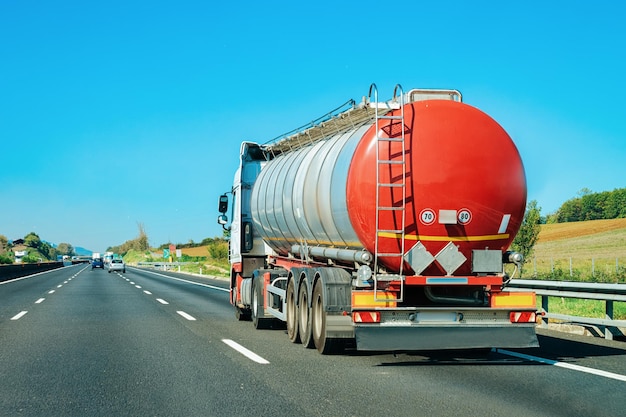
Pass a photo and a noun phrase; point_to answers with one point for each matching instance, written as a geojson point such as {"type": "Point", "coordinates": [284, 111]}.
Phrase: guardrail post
{"type": "Point", "coordinates": [544, 308]}
{"type": "Point", "coordinates": [608, 334]}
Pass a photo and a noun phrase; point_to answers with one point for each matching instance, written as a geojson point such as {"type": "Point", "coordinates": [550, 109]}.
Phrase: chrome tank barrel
{"type": "Point", "coordinates": [300, 196]}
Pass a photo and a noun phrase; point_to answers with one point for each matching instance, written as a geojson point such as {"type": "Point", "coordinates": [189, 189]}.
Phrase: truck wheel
{"type": "Point", "coordinates": [292, 313]}
{"type": "Point", "coordinates": [257, 310]}
{"type": "Point", "coordinates": [304, 318]}
{"type": "Point", "coordinates": [324, 344]}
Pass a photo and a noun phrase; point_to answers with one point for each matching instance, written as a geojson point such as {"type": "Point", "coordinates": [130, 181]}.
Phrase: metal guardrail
{"type": "Point", "coordinates": [164, 266]}
{"type": "Point", "coordinates": [609, 293]}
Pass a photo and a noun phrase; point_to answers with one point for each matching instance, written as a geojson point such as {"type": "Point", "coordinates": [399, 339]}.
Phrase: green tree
{"type": "Point", "coordinates": [528, 234]}
{"type": "Point", "coordinates": [32, 240]}
{"type": "Point", "coordinates": [141, 243]}
{"type": "Point", "coordinates": [30, 259]}
{"type": "Point", "coordinates": [4, 244]}
{"type": "Point", "coordinates": [65, 249]}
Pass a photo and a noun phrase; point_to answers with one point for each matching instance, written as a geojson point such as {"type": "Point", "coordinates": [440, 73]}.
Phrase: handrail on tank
{"type": "Point", "coordinates": [369, 94]}
{"type": "Point", "coordinates": [395, 89]}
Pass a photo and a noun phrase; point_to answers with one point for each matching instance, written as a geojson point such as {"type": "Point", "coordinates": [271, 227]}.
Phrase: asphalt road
{"type": "Point", "coordinates": [77, 342]}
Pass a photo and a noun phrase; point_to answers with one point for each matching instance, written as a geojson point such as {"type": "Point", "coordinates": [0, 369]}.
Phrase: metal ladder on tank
{"type": "Point", "coordinates": [381, 111]}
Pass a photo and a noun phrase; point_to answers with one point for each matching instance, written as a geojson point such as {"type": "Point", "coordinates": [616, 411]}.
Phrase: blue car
{"type": "Point", "coordinates": [97, 263]}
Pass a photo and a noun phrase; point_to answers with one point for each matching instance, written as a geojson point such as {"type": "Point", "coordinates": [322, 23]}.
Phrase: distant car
{"type": "Point", "coordinates": [97, 263]}
{"type": "Point", "coordinates": [116, 265]}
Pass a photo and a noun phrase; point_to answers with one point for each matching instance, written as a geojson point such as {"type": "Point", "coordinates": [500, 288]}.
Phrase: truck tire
{"type": "Point", "coordinates": [324, 344]}
{"type": "Point", "coordinates": [292, 313]}
{"type": "Point", "coordinates": [304, 318]}
{"type": "Point", "coordinates": [256, 309]}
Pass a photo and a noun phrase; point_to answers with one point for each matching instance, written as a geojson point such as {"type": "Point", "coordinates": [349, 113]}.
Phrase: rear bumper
{"type": "Point", "coordinates": [406, 338]}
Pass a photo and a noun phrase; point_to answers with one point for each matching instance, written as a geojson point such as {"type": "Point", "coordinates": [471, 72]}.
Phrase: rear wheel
{"type": "Point", "coordinates": [324, 344]}
{"type": "Point", "coordinates": [257, 310]}
{"type": "Point", "coordinates": [304, 318]}
{"type": "Point", "coordinates": [292, 313]}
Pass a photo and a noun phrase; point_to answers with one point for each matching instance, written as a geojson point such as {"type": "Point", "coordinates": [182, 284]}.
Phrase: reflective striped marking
{"type": "Point", "coordinates": [523, 317]}
{"type": "Point", "coordinates": [366, 317]}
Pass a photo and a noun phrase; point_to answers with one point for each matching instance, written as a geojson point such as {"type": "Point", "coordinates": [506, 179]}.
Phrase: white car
{"type": "Point", "coordinates": [116, 265]}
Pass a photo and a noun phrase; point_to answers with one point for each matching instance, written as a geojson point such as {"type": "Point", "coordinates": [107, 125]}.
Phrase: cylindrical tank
{"type": "Point", "coordinates": [465, 184]}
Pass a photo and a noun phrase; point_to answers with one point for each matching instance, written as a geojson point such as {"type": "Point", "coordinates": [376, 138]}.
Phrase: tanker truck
{"type": "Point", "coordinates": [382, 226]}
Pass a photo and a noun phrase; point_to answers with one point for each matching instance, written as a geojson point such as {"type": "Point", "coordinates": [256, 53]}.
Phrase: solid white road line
{"type": "Point", "coordinates": [19, 315]}
{"type": "Point", "coordinates": [162, 301]}
{"type": "Point", "coordinates": [189, 282]}
{"type": "Point", "coordinates": [570, 366]}
{"type": "Point", "coordinates": [187, 316]}
{"type": "Point", "coordinates": [247, 353]}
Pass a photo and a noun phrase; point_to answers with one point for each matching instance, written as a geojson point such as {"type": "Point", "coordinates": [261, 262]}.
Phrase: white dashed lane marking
{"type": "Point", "coordinates": [187, 316]}
{"type": "Point", "coordinates": [19, 315]}
{"type": "Point", "coordinates": [246, 352]}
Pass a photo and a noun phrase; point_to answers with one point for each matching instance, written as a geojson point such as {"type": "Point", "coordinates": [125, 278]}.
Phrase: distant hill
{"type": "Point", "coordinates": [82, 251]}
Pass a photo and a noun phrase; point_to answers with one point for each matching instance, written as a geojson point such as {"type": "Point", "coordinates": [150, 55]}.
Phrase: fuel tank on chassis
{"type": "Point", "coordinates": [465, 184]}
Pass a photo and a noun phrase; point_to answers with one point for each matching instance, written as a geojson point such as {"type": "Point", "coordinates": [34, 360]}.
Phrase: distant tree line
{"type": "Point", "coordinates": [591, 206]}
{"type": "Point", "coordinates": [38, 250]}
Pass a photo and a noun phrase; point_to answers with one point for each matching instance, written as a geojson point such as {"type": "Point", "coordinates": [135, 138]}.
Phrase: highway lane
{"type": "Point", "coordinates": [120, 344]}
{"type": "Point", "coordinates": [100, 346]}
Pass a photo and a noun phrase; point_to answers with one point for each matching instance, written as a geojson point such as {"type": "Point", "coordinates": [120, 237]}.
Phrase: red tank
{"type": "Point", "coordinates": [465, 183]}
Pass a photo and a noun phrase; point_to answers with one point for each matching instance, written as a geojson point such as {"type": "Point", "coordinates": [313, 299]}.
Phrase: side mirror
{"type": "Point", "coordinates": [222, 219]}
{"type": "Point", "coordinates": [223, 204]}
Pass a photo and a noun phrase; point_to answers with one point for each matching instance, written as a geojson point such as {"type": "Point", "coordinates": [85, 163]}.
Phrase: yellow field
{"type": "Point", "coordinates": [583, 247]}
{"type": "Point", "coordinates": [594, 238]}
{"type": "Point", "coordinates": [198, 251]}
{"type": "Point", "coordinates": [558, 231]}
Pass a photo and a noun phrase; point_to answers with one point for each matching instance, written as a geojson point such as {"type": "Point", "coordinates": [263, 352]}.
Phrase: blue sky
{"type": "Point", "coordinates": [125, 112]}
